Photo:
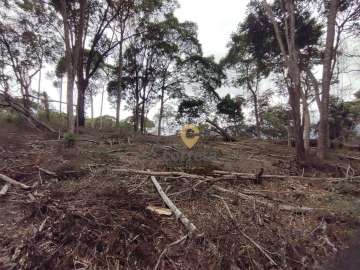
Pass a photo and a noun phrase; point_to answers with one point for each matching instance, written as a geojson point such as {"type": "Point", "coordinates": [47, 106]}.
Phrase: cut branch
{"type": "Point", "coordinates": [160, 174]}
{"type": "Point", "coordinates": [260, 248]}
{"type": "Point", "coordinates": [178, 214]}
{"type": "Point", "coordinates": [284, 207]}
{"type": "Point", "coordinates": [231, 176]}
{"type": "Point", "coordinates": [4, 190]}
{"type": "Point", "coordinates": [14, 182]}
{"type": "Point", "coordinates": [280, 177]}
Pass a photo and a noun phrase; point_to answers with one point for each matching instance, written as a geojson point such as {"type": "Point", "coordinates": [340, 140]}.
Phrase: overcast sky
{"type": "Point", "coordinates": [216, 21]}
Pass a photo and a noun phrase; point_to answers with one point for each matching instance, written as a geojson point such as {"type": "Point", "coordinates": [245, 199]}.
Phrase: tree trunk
{"type": "Point", "coordinates": [326, 81]}
{"type": "Point", "coordinates": [46, 106]}
{"type": "Point", "coordinates": [298, 128]}
{"type": "Point", "coordinates": [82, 86]}
{"type": "Point", "coordinates": [119, 79]}
{"type": "Point", "coordinates": [290, 56]}
{"type": "Point", "coordinates": [136, 115]}
{"type": "Point", "coordinates": [69, 69]}
{"type": "Point", "coordinates": [257, 118]}
{"type": "Point", "coordinates": [92, 110]}
{"type": "Point", "coordinates": [61, 86]}
{"type": "Point", "coordinates": [101, 108]}
{"type": "Point", "coordinates": [289, 133]}
{"type": "Point", "coordinates": [142, 118]}
{"type": "Point", "coordinates": [307, 124]}
{"type": "Point", "coordinates": [79, 64]}
{"type": "Point", "coordinates": [118, 107]}
{"type": "Point", "coordinates": [26, 98]}
{"type": "Point", "coordinates": [161, 110]}
{"type": "Point", "coordinates": [39, 89]}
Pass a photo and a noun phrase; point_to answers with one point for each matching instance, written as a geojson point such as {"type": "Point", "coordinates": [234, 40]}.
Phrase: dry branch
{"type": "Point", "coordinates": [26, 113]}
{"type": "Point", "coordinates": [232, 176]}
{"type": "Point", "coordinates": [47, 172]}
{"type": "Point", "coordinates": [260, 248]}
{"type": "Point", "coordinates": [178, 214]}
{"type": "Point", "coordinates": [14, 182]}
{"type": "Point", "coordinates": [281, 177]}
{"type": "Point", "coordinates": [221, 131]}
{"type": "Point", "coordinates": [167, 248]}
{"type": "Point", "coordinates": [4, 190]}
{"type": "Point", "coordinates": [284, 207]}
{"type": "Point", "coordinates": [160, 174]}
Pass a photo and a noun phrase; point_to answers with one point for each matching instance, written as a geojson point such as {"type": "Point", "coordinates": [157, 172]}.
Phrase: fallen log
{"type": "Point", "coordinates": [232, 176]}
{"type": "Point", "coordinates": [281, 177]}
{"type": "Point", "coordinates": [221, 131]}
{"type": "Point", "coordinates": [14, 182]}
{"type": "Point", "coordinates": [160, 174]}
{"type": "Point", "coordinates": [26, 113]}
{"type": "Point", "coordinates": [178, 214]}
{"type": "Point", "coordinates": [284, 207]}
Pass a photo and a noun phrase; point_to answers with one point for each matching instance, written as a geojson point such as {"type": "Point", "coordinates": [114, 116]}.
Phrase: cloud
{"type": "Point", "coordinates": [216, 21]}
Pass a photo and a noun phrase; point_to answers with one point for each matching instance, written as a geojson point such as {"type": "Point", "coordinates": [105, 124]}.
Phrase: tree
{"type": "Point", "coordinates": [190, 111]}
{"type": "Point", "coordinates": [231, 108]}
{"type": "Point", "coordinates": [255, 52]}
{"type": "Point", "coordinates": [25, 43]}
{"type": "Point", "coordinates": [60, 71]}
{"type": "Point", "coordinates": [331, 10]}
{"type": "Point", "coordinates": [274, 122]}
{"type": "Point", "coordinates": [160, 61]}
{"type": "Point", "coordinates": [249, 67]}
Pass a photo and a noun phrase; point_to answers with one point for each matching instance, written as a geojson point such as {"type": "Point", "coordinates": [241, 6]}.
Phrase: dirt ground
{"type": "Point", "coordinates": [86, 216]}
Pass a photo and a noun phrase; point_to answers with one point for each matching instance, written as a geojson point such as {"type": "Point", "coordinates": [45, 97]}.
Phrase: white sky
{"type": "Point", "coordinates": [216, 21]}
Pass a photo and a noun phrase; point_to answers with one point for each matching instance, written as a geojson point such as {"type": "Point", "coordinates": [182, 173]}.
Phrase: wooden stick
{"type": "Point", "coordinates": [160, 174]}
{"type": "Point", "coordinates": [167, 248]}
{"type": "Point", "coordinates": [47, 172]}
{"type": "Point", "coordinates": [14, 182]}
{"type": "Point", "coordinates": [288, 177]}
{"type": "Point", "coordinates": [233, 176]}
{"type": "Point", "coordinates": [4, 189]}
{"type": "Point", "coordinates": [284, 207]}
{"type": "Point", "coordinates": [260, 248]}
{"type": "Point", "coordinates": [178, 214]}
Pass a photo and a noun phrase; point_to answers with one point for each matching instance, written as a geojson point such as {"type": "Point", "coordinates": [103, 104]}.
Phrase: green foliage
{"type": "Point", "coordinates": [129, 122]}
{"type": "Point", "coordinates": [256, 38]}
{"type": "Point", "coordinates": [11, 117]}
{"type": "Point", "coordinates": [69, 139]}
{"type": "Point", "coordinates": [275, 122]}
{"type": "Point", "coordinates": [60, 68]}
{"type": "Point", "coordinates": [343, 117]}
{"type": "Point", "coordinates": [357, 94]}
{"type": "Point", "coordinates": [190, 110]}
{"type": "Point", "coordinates": [231, 109]}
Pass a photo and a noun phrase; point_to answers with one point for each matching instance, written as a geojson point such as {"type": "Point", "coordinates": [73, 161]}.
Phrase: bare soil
{"type": "Point", "coordinates": [89, 217]}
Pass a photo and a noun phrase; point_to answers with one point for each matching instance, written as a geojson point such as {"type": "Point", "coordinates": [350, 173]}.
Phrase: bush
{"type": "Point", "coordinates": [69, 139]}
{"type": "Point", "coordinates": [7, 116]}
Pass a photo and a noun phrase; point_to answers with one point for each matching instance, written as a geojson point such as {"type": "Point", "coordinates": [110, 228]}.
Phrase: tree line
{"type": "Point", "coordinates": [141, 53]}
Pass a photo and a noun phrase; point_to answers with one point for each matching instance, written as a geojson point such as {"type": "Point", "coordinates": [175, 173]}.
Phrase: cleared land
{"type": "Point", "coordinates": [88, 206]}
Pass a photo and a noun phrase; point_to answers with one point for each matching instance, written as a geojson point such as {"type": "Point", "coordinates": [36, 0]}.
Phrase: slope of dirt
{"type": "Point", "coordinates": [89, 217]}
